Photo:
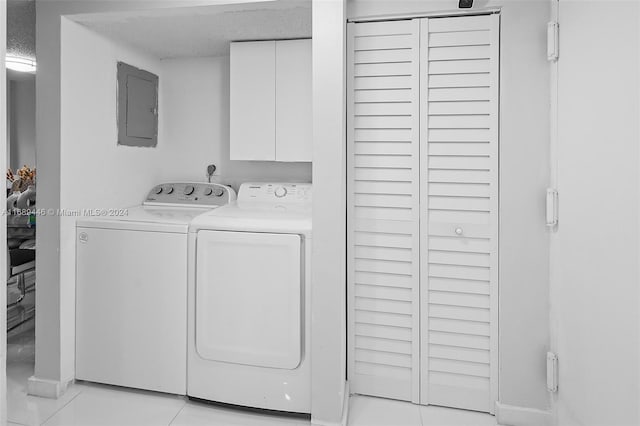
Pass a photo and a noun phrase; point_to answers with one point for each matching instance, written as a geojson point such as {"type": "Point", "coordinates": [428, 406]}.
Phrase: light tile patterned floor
{"type": "Point", "coordinates": [366, 411]}
{"type": "Point", "coordinates": [96, 405]}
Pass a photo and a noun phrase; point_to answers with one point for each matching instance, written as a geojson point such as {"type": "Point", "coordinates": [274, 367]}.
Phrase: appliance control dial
{"type": "Point", "coordinates": [280, 191]}
{"type": "Point", "coordinates": [192, 193]}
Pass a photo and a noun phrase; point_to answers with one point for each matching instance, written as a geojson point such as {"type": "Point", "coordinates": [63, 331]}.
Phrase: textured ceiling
{"type": "Point", "coordinates": [203, 31]}
{"type": "Point", "coordinates": [21, 28]}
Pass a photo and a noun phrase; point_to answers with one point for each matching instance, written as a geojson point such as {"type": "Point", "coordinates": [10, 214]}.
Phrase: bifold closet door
{"type": "Point", "coordinates": [423, 210]}
{"type": "Point", "coordinates": [459, 204]}
{"type": "Point", "coordinates": [384, 213]}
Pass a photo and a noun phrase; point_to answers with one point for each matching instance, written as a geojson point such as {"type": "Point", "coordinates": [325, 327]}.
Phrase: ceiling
{"type": "Point", "coordinates": [203, 30]}
{"type": "Point", "coordinates": [21, 28]}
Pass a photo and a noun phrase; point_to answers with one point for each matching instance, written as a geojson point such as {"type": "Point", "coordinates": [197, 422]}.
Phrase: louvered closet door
{"type": "Point", "coordinates": [459, 205]}
{"type": "Point", "coordinates": [383, 216]}
{"type": "Point", "coordinates": [423, 210]}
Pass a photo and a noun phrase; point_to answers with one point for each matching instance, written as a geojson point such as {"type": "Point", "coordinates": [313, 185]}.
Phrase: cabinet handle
{"type": "Point", "coordinates": [458, 231]}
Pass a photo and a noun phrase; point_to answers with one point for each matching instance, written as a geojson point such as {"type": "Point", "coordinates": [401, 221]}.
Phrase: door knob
{"type": "Point", "coordinates": [458, 231]}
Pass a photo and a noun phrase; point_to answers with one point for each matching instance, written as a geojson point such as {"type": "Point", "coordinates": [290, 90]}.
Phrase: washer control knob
{"type": "Point", "coordinates": [280, 191]}
{"type": "Point", "coordinates": [218, 192]}
{"type": "Point", "coordinates": [157, 190]}
{"type": "Point", "coordinates": [188, 190]}
{"type": "Point", "coordinates": [208, 191]}
{"type": "Point", "coordinates": [168, 190]}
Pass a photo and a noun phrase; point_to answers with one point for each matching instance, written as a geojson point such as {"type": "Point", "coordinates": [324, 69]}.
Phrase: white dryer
{"type": "Point", "coordinates": [249, 287]}
{"type": "Point", "coordinates": [131, 288]}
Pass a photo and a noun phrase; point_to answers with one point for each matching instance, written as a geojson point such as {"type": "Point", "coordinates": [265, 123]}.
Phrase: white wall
{"type": "Point", "coordinates": [22, 123]}
{"type": "Point", "coordinates": [524, 176]}
{"type": "Point", "coordinates": [595, 267]}
{"type": "Point", "coordinates": [328, 293]}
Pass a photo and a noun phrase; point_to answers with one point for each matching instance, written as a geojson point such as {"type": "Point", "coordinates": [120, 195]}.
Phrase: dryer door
{"type": "Point", "coordinates": [248, 298]}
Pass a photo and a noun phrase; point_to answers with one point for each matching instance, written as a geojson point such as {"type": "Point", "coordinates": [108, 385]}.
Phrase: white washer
{"type": "Point", "coordinates": [249, 287]}
{"type": "Point", "coordinates": [131, 289]}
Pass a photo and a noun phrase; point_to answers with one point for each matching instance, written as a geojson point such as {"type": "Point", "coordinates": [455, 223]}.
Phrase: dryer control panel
{"type": "Point", "coordinates": [281, 193]}
{"type": "Point", "coordinates": [190, 194]}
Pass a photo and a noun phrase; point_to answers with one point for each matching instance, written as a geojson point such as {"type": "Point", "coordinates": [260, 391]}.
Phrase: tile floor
{"type": "Point", "coordinates": [95, 405]}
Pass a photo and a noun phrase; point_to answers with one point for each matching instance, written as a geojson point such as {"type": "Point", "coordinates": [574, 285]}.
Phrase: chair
{"type": "Point", "coordinates": [19, 263]}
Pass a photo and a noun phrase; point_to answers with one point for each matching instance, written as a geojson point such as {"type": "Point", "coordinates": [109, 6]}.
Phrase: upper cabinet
{"type": "Point", "coordinates": [271, 113]}
{"type": "Point", "coordinates": [293, 100]}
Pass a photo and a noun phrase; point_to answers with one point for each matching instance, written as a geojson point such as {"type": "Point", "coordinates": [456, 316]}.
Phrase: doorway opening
{"type": "Point", "coordinates": [21, 190]}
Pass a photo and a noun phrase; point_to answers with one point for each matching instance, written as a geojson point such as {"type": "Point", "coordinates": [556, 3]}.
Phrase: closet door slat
{"type": "Point", "coordinates": [469, 66]}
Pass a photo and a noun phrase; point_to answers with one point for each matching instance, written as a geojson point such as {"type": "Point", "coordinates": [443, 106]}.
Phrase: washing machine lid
{"type": "Point", "coordinates": [144, 218]}
{"type": "Point", "coordinates": [257, 217]}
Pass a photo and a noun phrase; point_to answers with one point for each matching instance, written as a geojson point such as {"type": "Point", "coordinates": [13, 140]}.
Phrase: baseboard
{"type": "Point", "coordinates": [46, 388]}
{"type": "Point", "coordinates": [345, 404]}
{"type": "Point", "coordinates": [345, 411]}
{"type": "Point", "coordinates": [511, 415]}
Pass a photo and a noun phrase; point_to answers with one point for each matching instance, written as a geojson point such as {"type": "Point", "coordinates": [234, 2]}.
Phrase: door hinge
{"type": "Point", "coordinates": [552, 372]}
{"type": "Point", "coordinates": [552, 207]}
{"type": "Point", "coordinates": [553, 41]}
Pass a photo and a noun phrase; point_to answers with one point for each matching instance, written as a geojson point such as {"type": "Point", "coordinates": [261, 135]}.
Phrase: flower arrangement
{"type": "Point", "coordinates": [25, 176]}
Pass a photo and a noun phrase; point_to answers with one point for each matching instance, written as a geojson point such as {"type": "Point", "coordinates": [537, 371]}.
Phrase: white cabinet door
{"type": "Point", "coordinates": [271, 114]}
{"type": "Point", "coordinates": [248, 298]}
{"type": "Point", "coordinates": [252, 106]}
{"type": "Point", "coordinates": [293, 100]}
